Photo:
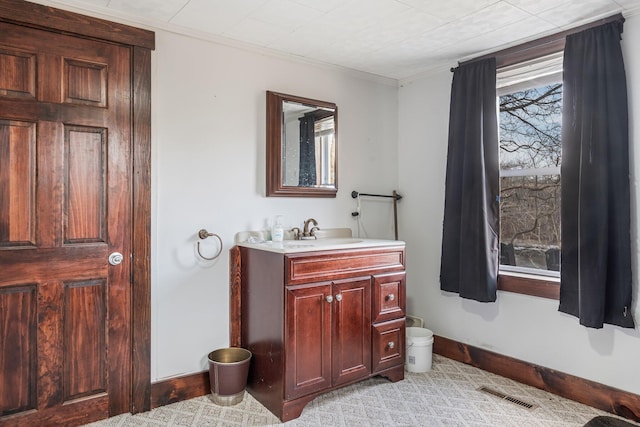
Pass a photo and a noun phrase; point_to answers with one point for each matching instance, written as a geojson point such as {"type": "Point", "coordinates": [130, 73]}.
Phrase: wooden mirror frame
{"type": "Point", "coordinates": [275, 187]}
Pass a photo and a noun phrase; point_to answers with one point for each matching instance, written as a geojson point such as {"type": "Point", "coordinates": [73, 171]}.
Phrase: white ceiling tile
{"type": "Point", "coordinates": [393, 38]}
{"type": "Point", "coordinates": [484, 20]}
{"type": "Point", "coordinates": [451, 9]}
{"type": "Point", "coordinates": [537, 6]}
{"type": "Point", "coordinates": [504, 36]}
{"type": "Point", "coordinates": [576, 12]}
{"type": "Point", "coordinates": [360, 15]}
{"type": "Point", "coordinates": [395, 58]}
{"type": "Point", "coordinates": [293, 46]}
{"type": "Point", "coordinates": [322, 5]}
{"type": "Point", "coordinates": [162, 10]}
{"type": "Point", "coordinates": [285, 13]}
{"type": "Point", "coordinates": [629, 4]}
{"type": "Point", "coordinates": [408, 23]}
{"type": "Point", "coordinates": [215, 16]}
{"type": "Point", "coordinates": [471, 26]}
{"type": "Point", "coordinates": [308, 41]}
{"type": "Point", "coordinates": [99, 3]}
{"type": "Point", "coordinates": [260, 33]}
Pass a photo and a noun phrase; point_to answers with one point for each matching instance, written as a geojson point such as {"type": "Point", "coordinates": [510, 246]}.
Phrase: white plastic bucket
{"type": "Point", "coordinates": [419, 349]}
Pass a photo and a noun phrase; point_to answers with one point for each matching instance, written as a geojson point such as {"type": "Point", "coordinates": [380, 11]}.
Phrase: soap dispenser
{"type": "Point", "coordinates": [277, 232]}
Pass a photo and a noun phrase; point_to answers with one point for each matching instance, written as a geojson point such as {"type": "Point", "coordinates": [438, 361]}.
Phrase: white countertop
{"type": "Point", "coordinates": [324, 244]}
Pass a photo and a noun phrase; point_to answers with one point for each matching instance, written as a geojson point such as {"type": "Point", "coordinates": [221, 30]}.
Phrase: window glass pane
{"type": "Point", "coordinates": [325, 151]}
{"type": "Point", "coordinates": [530, 129]}
{"type": "Point", "coordinates": [530, 221]}
{"type": "Point", "coordinates": [530, 125]}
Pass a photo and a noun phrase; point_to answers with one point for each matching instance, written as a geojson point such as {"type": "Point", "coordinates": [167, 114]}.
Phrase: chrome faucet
{"type": "Point", "coordinates": [306, 233]}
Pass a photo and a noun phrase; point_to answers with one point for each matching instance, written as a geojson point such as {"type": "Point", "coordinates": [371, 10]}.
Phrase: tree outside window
{"type": "Point", "coordinates": [530, 155]}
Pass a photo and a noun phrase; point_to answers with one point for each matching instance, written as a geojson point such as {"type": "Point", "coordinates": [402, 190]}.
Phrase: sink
{"type": "Point", "coordinates": [329, 241]}
{"type": "Point", "coordinates": [332, 233]}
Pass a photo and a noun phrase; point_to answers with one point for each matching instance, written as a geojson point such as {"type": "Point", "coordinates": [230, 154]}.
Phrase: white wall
{"type": "Point", "coordinates": [208, 141]}
{"type": "Point", "coordinates": [520, 326]}
{"type": "Point", "coordinates": [208, 137]}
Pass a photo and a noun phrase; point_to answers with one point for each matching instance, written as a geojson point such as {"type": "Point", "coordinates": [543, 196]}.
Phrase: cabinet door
{"type": "Point", "coordinates": [308, 339]}
{"type": "Point", "coordinates": [388, 296]}
{"type": "Point", "coordinates": [351, 345]}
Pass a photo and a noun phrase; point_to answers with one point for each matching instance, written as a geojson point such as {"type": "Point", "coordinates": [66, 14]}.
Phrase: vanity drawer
{"type": "Point", "coordinates": [341, 264]}
{"type": "Point", "coordinates": [388, 346]}
{"type": "Point", "coordinates": [388, 296]}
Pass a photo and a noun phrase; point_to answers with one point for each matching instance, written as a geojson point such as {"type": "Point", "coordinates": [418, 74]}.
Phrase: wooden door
{"type": "Point", "coordinates": [307, 339]}
{"type": "Point", "coordinates": [65, 206]}
{"type": "Point", "coordinates": [351, 343]}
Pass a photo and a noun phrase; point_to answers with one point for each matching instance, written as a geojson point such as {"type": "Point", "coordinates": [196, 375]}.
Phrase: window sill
{"type": "Point", "coordinates": [528, 284]}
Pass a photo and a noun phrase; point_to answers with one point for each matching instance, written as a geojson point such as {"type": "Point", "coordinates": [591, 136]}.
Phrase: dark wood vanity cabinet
{"type": "Point", "coordinates": [315, 321]}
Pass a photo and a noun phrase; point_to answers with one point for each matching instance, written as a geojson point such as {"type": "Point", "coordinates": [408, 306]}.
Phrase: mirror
{"type": "Point", "coordinates": [302, 137]}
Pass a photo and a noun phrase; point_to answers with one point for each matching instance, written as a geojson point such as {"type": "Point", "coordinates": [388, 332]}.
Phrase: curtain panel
{"type": "Point", "coordinates": [469, 264]}
{"type": "Point", "coordinates": [307, 177]}
{"type": "Point", "coordinates": [596, 281]}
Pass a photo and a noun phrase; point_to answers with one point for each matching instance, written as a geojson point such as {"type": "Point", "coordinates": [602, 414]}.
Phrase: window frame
{"type": "Point", "coordinates": [545, 284]}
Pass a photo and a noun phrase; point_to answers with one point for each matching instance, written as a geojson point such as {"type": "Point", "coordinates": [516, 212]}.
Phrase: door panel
{"type": "Point", "coordinates": [85, 83]}
{"type": "Point", "coordinates": [84, 174]}
{"type": "Point", "coordinates": [65, 170]}
{"type": "Point", "coordinates": [18, 307]}
{"type": "Point", "coordinates": [21, 83]}
{"type": "Point", "coordinates": [308, 340]}
{"type": "Point", "coordinates": [85, 338]}
{"type": "Point", "coordinates": [351, 357]}
{"type": "Point", "coordinates": [17, 182]}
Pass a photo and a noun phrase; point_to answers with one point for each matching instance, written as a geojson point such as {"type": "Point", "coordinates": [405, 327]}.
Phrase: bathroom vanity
{"type": "Point", "coordinates": [317, 315]}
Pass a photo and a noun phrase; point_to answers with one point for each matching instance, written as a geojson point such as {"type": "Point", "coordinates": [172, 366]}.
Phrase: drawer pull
{"type": "Point", "coordinates": [391, 344]}
{"type": "Point", "coordinates": [339, 297]}
{"type": "Point", "coordinates": [391, 297]}
{"type": "Point", "coordinates": [329, 298]}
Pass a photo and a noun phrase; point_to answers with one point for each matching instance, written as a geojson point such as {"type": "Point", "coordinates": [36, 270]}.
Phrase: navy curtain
{"type": "Point", "coordinates": [596, 255]}
{"type": "Point", "coordinates": [307, 177]}
{"type": "Point", "coordinates": [469, 264]}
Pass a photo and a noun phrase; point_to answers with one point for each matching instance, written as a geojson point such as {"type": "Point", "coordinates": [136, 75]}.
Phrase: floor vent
{"type": "Point", "coordinates": [506, 397]}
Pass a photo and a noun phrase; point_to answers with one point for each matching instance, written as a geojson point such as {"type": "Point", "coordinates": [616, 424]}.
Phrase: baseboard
{"type": "Point", "coordinates": [580, 390]}
{"type": "Point", "coordinates": [179, 388]}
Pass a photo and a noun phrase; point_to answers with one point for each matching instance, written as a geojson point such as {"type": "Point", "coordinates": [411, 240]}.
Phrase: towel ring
{"type": "Point", "coordinates": [203, 234]}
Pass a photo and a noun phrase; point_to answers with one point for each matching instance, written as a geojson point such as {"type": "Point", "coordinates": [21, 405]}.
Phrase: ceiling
{"type": "Point", "coordinates": [396, 39]}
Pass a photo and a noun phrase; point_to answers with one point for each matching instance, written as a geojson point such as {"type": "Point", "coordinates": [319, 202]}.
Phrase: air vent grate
{"type": "Point", "coordinates": [506, 397]}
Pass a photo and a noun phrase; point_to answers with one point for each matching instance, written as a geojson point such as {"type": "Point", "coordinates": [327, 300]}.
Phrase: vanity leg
{"type": "Point", "coordinates": [394, 374]}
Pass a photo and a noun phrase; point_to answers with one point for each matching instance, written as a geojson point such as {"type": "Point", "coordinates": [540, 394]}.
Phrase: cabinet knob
{"type": "Point", "coordinates": [339, 297]}
{"type": "Point", "coordinates": [391, 344]}
{"type": "Point", "coordinates": [329, 298]}
{"type": "Point", "coordinates": [391, 297]}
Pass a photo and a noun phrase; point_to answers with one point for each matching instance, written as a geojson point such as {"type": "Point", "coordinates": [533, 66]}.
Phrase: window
{"type": "Point", "coordinates": [530, 123]}
{"type": "Point", "coordinates": [325, 151]}
{"type": "Point", "coordinates": [530, 176]}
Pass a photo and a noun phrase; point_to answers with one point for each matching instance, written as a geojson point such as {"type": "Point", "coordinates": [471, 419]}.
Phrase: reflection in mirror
{"type": "Point", "coordinates": [308, 143]}
{"type": "Point", "coordinates": [301, 146]}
